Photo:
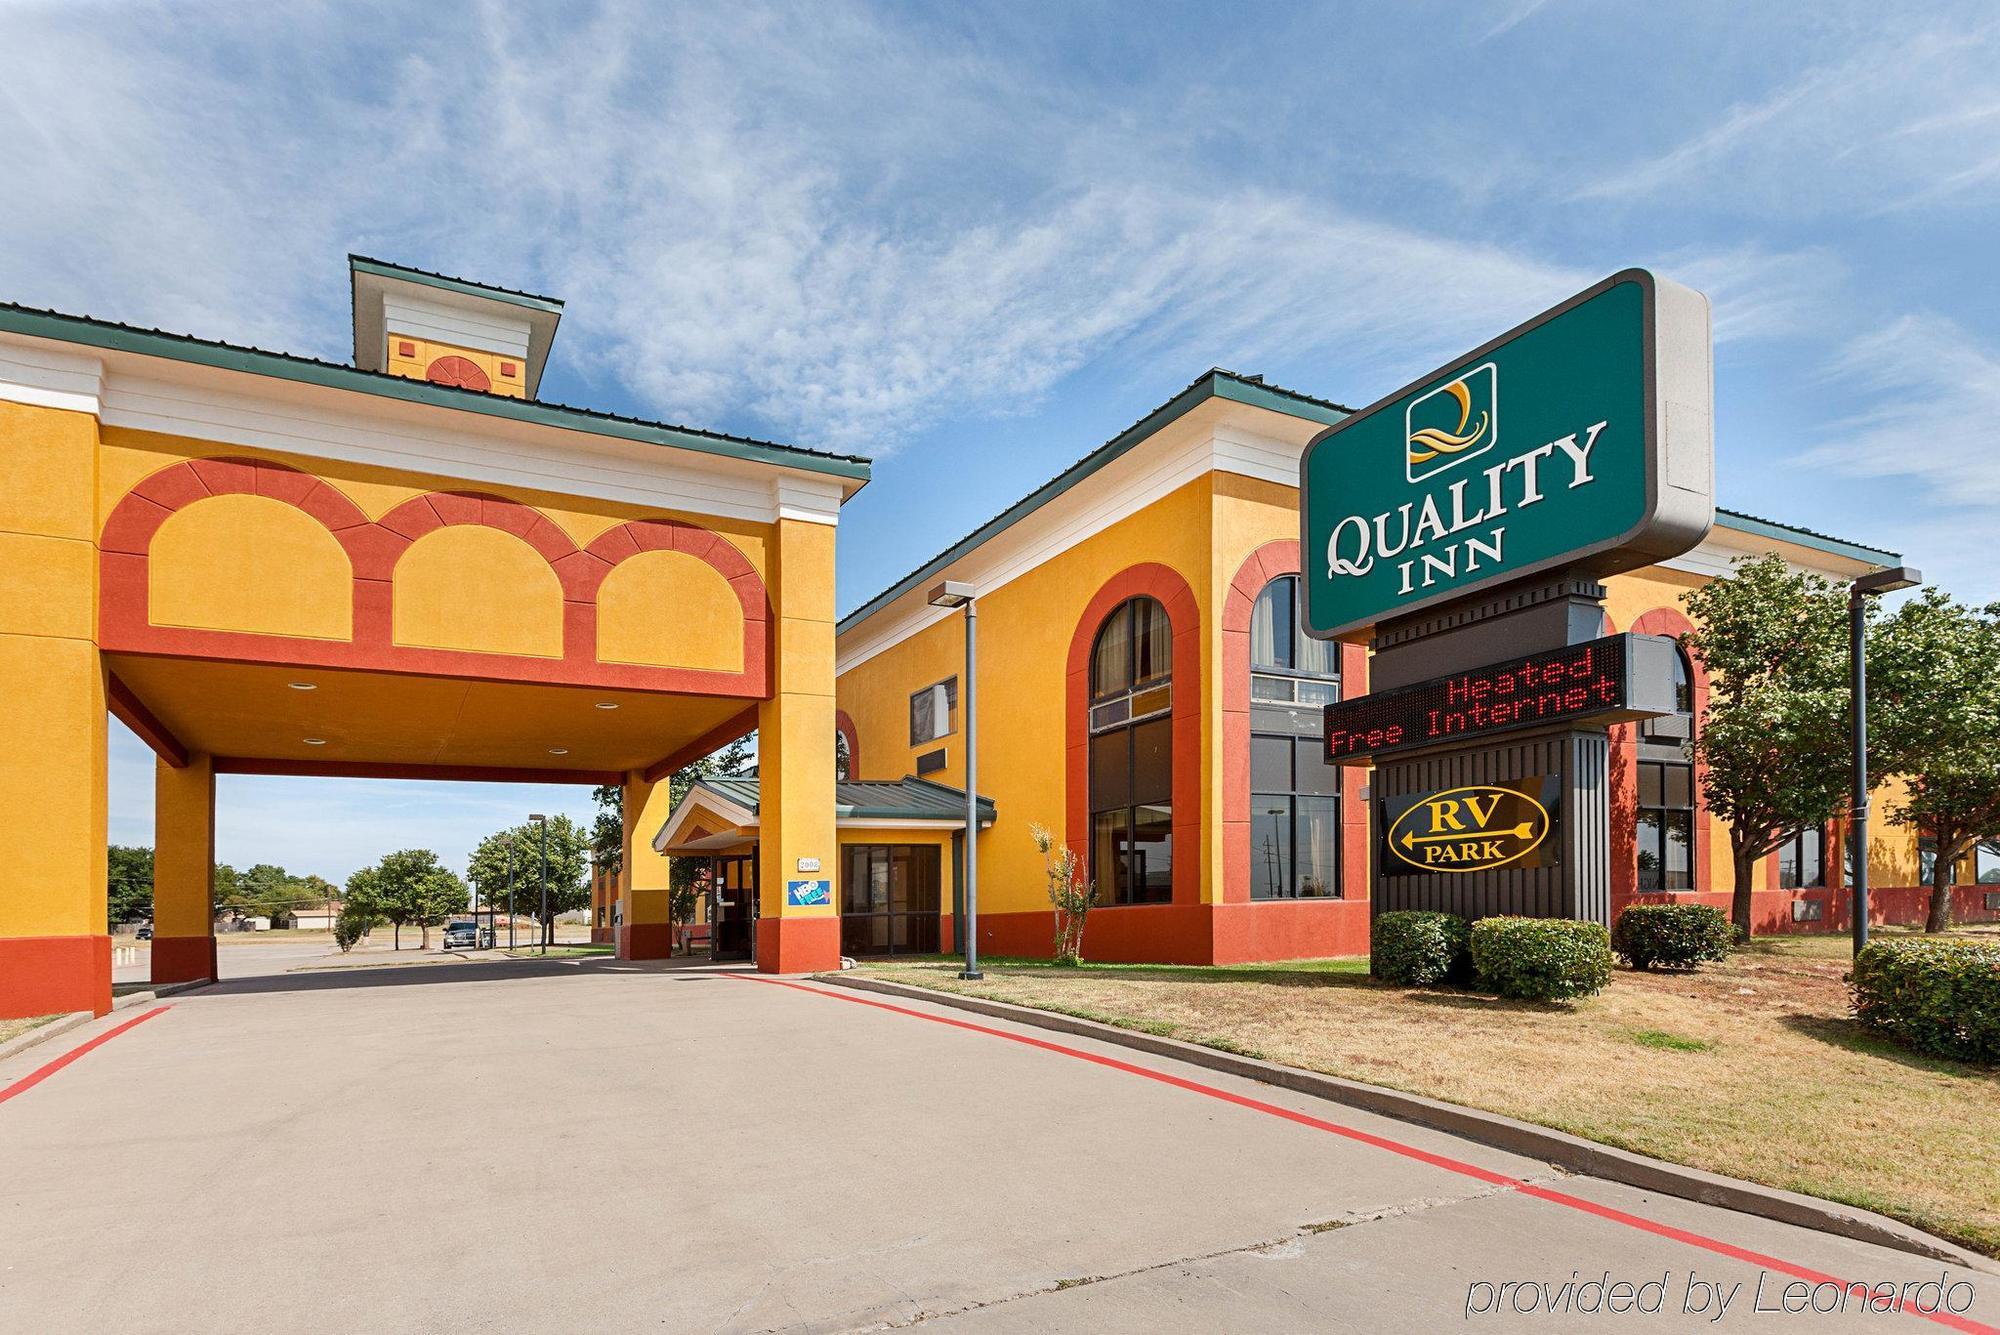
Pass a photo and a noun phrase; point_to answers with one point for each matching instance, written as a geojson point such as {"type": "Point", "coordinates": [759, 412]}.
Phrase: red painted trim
{"type": "Point", "coordinates": [130, 710]}
{"type": "Point", "coordinates": [373, 548]}
{"type": "Point", "coordinates": [54, 975]}
{"type": "Point", "coordinates": [35, 1077]}
{"type": "Point", "coordinates": [1624, 766]}
{"type": "Point", "coordinates": [1184, 619]}
{"type": "Point", "coordinates": [798, 945]}
{"type": "Point", "coordinates": [742, 725]}
{"type": "Point", "coordinates": [644, 940]}
{"type": "Point", "coordinates": [184, 959]}
{"type": "Point", "coordinates": [843, 723]}
{"type": "Point", "coordinates": [368, 769]}
{"type": "Point", "coordinates": [1395, 1147]}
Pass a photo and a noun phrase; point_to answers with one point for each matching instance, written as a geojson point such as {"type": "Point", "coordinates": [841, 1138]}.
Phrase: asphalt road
{"type": "Point", "coordinates": [543, 1145]}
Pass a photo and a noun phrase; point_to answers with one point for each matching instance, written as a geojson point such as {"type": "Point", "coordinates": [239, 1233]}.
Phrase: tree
{"type": "Point", "coordinates": [128, 883]}
{"type": "Point", "coordinates": [607, 828]}
{"type": "Point", "coordinates": [1934, 719]}
{"type": "Point", "coordinates": [223, 890]}
{"type": "Point", "coordinates": [312, 891]}
{"type": "Point", "coordinates": [1774, 740]}
{"type": "Point", "coordinates": [569, 869]}
{"type": "Point", "coordinates": [264, 891]}
{"type": "Point", "coordinates": [409, 886]}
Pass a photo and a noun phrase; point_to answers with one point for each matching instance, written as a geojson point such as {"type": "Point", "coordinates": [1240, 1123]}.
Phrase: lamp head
{"type": "Point", "coordinates": [539, 818]}
{"type": "Point", "coordinates": [1887, 581]}
{"type": "Point", "coordinates": [951, 593]}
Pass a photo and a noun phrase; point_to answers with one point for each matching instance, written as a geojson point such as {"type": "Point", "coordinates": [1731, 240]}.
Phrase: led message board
{"type": "Point", "coordinates": [1610, 680]}
{"type": "Point", "coordinates": [1580, 439]}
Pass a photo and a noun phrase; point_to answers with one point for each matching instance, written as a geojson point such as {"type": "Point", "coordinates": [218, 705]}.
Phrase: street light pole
{"type": "Point", "coordinates": [510, 895]}
{"type": "Point", "coordinates": [958, 593]}
{"type": "Point", "coordinates": [543, 821]}
{"type": "Point", "coordinates": [1868, 586]}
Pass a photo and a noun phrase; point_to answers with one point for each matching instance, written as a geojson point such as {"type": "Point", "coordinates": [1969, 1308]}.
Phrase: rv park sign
{"type": "Point", "coordinates": [1580, 440]}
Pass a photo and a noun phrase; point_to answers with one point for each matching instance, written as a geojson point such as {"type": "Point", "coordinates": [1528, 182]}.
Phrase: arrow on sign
{"type": "Point", "coordinates": [1521, 831]}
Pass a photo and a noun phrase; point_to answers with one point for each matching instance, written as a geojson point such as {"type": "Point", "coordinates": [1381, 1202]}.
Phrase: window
{"type": "Point", "coordinates": [1986, 862]}
{"type": "Point", "coordinates": [842, 761]}
{"type": "Point", "coordinates": [1802, 861]}
{"type": "Point", "coordinates": [1294, 792]}
{"type": "Point", "coordinates": [889, 899]}
{"type": "Point", "coordinates": [1132, 756]}
{"type": "Point", "coordinates": [1666, 810]}
{"type": "Point", "coordinates": [934, 712]}
{"type": "Point", "coordinates": [1666, 825]}
{"type": "Point", "coordinates": [1286, 664]}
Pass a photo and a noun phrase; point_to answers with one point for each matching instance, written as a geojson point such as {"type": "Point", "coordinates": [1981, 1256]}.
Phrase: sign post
{"type": "Point", "coordinates": [1460, 527]}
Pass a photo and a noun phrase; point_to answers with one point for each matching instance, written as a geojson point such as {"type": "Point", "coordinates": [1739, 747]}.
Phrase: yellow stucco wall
{"type": "Point", "coordinates": [52, 710]}
{"type": "Point", "coordinates": [250, 563]}
{"type": "Point", "coordinates": [477, 588]}
{"type": "Point", "coordinates": [669, 609]}
{"type": "Point", "coordinates": [1025, 627]}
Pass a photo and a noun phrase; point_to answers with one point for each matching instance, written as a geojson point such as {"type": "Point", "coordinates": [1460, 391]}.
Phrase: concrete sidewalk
{"type": "Point", "coordinates": [669, 1147]}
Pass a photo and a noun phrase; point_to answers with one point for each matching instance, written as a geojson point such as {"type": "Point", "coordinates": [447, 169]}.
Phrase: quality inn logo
{"type": "Point", "coordinates": [1452, 423]}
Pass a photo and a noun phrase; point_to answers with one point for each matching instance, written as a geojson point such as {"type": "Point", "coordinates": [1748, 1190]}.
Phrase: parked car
{"type": "Point", "coordinates": [462, 934]}
{"type": "Point", "coordinates": [144, 934]}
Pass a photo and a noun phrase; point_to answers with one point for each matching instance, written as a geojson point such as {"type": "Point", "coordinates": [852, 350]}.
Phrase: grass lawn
{"type": "Point", "coordinates": [1751, 1068]}
{"type": "Point", "coordinates": [16, 1028]}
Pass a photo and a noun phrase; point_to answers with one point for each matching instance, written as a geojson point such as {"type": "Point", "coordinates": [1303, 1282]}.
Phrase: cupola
{"type": "Point", "coordinates": [450, 331]}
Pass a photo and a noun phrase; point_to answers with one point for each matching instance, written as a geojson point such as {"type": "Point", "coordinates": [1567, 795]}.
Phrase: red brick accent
{"type": "Point", "coordinates": [53, 975]}
{"type": "Point", "coordinates": [183, 959]}
{"type": "Point", "coordinates": [1184, 618]}
{"type": "Point", "coordinates": [373, 548]}
{"type": "Point", "coordinates": [798, 945]}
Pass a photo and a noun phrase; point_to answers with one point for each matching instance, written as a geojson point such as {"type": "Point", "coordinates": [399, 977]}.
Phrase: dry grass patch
{"type": "Point", "coordinates": [1751, 1068]}
{"type": "Point", "coordinates": [16, 1028]}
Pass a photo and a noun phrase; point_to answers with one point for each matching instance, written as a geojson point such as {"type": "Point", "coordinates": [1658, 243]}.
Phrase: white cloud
{"type": "Point", "coordinates": [1895, 118]}
{"type": "Point", "coordinates": [840, 230]}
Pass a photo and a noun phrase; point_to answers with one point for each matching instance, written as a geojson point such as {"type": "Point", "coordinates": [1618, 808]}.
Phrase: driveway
{"type": "Point", "coordinates": [595, 1145]}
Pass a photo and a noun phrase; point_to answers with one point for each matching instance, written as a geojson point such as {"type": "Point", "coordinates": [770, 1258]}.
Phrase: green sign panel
{"type": "Point", "coordinates": [1579, 440]}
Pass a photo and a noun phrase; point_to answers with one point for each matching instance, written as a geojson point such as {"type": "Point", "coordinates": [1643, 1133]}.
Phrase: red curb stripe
{"type": "Point", "coordinates": [33, 1078]}
{"type": "Point", "coordinates": [1459, 1166]}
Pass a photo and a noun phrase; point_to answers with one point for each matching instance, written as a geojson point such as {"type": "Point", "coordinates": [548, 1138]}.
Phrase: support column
{"type": "Point", "coordinates": [184, 870]}
{"type": "Point", "coordinates": [645, 929]}
{"type": "Point", "coordinates": [795, 728]}
{"type": "Point", "coordinates": [55, 951]}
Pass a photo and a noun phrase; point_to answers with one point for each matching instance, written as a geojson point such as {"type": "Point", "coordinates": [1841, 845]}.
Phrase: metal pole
{"type": "Point", "coordinates": [971, 969]}
{"type": "Point", "coordinates": [545, 887]}
{"type": "Point", "coordinates": [510, 894]}
{"type": "Point", "coordinates": [1857, 649]}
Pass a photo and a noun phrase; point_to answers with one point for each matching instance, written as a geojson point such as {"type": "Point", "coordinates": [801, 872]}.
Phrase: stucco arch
{"type": "Point", "coordinates": [477, 589]}
{"type": "Point", "coordinates": [250, 564]}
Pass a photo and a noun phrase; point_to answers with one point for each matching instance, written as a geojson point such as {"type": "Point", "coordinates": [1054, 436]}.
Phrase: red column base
{"type": "Point", "coordinates": [645, 940]}
{"type": "Point", "coordinates": [54, 975]}
{"type": "Point", "coordinates": [184, 959]}
{"type": "Point", "coordinates": [798, 945]}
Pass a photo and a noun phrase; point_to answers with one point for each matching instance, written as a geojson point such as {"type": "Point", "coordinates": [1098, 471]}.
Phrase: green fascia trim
{"type": "Point", "coordinates": [304, 370]}
{"type": "Point", "coordinates": [1803, 537]}
{"type": "Point", "coordinates": [1216, 384]}
{"type": "Point", "coordinates": [384, 269]}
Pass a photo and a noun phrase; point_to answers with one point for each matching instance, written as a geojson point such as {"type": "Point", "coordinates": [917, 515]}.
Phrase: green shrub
{"type": "Point", "coordinates": [349, 928]}
{"type": "Point", "coordinates": [1941, 997]}
{"type": "Point", "coordinates": [1417, 948]}
{"type": "Point", "coordinates": [1541, 959]}
{"type": "Point", "coordinates": [1674, 936]}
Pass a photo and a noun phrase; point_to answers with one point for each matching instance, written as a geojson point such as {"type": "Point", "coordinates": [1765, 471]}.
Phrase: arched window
{"type": "Point", "coordinates": [1132, 756]}
{"type": "Point", "coordinates": [1666, 790]}
{"type": "Point", "coordinates": [843, 760]}
{"type": "Point", "coordinates": [1294, 793]}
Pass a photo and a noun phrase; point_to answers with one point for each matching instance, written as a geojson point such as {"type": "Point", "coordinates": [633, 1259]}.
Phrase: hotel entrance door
{"type": "Point", "coordinates": [732, 908]}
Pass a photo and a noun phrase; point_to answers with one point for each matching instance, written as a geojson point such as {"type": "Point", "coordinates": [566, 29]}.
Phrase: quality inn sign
{"type": "Point", "coordinates": [1580, 440]}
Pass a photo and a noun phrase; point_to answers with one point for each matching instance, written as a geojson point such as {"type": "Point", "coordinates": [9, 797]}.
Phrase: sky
{"type": "Point", "coordinates": [975, 241]}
